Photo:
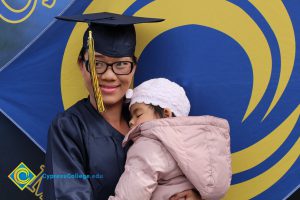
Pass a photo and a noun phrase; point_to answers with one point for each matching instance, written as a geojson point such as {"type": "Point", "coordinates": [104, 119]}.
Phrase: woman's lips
{"type": "Point", "coordinates": [108, 89]}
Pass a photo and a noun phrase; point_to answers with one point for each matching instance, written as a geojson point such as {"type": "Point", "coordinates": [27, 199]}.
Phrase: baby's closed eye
{"type": "Point", "coordinates": [138, 115]}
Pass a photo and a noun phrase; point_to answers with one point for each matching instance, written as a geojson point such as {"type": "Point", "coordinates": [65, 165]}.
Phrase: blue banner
{"type": "Point", "coordinates": [239, 60]}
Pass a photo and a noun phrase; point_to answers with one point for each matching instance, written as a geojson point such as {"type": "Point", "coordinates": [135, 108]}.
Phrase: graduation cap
{"type": "Point", "coordinates": [114, 34]}
{"type": "Point", "coordinates": [109, 34]}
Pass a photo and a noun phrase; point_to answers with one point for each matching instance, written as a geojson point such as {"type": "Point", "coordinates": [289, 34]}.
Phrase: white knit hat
{"type": "Point", "coordinates": [161, 92]}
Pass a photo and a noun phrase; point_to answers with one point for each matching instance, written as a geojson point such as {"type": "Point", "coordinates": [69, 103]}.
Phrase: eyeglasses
{"type": "Point", "coordinates": [119, 68]}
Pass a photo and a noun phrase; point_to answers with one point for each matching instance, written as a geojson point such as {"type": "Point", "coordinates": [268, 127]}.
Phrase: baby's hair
{"type": "Point", "coordinates": [159, 110]}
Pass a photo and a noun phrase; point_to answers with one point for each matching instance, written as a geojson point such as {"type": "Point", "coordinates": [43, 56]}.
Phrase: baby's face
{"type": "Point", "coordinates": [140, 113]}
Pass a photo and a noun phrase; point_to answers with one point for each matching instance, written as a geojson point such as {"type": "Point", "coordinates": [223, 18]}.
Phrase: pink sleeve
{"type": "Point", "coordinates": [145, 160]}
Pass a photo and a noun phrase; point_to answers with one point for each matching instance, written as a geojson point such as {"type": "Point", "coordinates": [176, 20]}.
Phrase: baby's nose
{"type": "Point", "coordinates": [131, 123]}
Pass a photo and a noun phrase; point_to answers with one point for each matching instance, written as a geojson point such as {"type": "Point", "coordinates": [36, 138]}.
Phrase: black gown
{"type": "Point", "coordinates": [81, 142]}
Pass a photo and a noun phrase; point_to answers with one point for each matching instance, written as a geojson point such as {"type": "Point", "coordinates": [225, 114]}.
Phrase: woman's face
{"type": "Point", "coordinates": [113, 87]}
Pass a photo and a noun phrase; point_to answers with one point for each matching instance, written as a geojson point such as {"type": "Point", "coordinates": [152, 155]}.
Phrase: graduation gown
{"type": "Point", "coordinates": [81, 142]}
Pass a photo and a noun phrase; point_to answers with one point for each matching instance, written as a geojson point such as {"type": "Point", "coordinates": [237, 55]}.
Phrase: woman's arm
{"type": "Point", "coordinates": [187, 195]}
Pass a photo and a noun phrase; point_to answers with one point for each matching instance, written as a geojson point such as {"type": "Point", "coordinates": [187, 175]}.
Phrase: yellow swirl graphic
{"type": "Point", "coordinates": [227, 19]}
{"type": "Point", "coordinates": [45, 3]}
{"type": "Point", "coordinates": [283, 29]}
{"type": "Point", "coordinates": [18, 11]}
{"type": "Point", "coordinates": [260, 183]}
{"type": "Point", "coordinates": [260, 151]}
{"type": "Point", "coordinates": [222, 16]}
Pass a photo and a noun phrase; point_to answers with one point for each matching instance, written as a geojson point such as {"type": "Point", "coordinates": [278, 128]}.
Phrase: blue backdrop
{"type": "Point", "coordinates": [247, 73]}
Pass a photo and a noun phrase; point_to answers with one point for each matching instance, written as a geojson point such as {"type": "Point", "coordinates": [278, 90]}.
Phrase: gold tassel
{"type": "Point", "coordinates": [94, 77]}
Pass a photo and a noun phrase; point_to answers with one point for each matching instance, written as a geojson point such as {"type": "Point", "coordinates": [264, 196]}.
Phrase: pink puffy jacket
{"type": "Point", "coordinates": [174, 154]}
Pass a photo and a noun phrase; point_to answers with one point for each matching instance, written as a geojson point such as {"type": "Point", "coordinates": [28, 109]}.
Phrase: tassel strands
{"type": "Point", "coordinates": [94, 78]}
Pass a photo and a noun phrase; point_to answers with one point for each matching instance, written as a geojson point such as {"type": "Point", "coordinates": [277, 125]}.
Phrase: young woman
{"type": "Point", "coordinates": [84, 151]}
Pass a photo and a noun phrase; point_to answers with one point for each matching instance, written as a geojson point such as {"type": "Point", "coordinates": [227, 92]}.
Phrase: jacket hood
{"type": "Point", "coordinates": [199, 144]}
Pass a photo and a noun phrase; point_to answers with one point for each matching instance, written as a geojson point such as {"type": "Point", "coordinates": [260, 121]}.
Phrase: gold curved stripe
{"type": "Point", "coordinates": [260, 151]}
{"type": "Point", "coordinates": [115, 6]}
{"type": "Point", "coordinates": [260, 183]}
{"type": "Point", "coordinates": [222, 16]}
{"type": "Point", "coordinates": [16, 10]}
{"type": "Point", "coordinates": [20, 20]}
{"type": "Point", "coordinates": [44, 3]}
{"type": "Point", "coordinates": [278, 18]}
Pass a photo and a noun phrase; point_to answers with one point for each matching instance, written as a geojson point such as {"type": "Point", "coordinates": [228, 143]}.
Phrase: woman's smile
{"type": "Point", "coordinates": [109, 89]}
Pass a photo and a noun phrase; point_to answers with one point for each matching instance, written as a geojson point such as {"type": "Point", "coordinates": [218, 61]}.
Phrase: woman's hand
{"type": "Point", "coordinates": [187, 195]}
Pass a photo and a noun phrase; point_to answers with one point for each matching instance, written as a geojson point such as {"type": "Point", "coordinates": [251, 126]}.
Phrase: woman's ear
{"type": "Point", "coordinates": [167, 112]}
{"type": "Point", "coordinates": [80, 63]}
{"type": "Point", "coordinates": [82, 68]}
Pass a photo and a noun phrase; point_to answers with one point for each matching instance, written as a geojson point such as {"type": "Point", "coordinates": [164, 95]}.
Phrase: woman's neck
{"type": "Point", "coordinates": [113, 115]}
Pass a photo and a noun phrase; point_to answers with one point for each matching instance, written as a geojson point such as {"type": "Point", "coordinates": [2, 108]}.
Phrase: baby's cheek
{"type": "Point", "coordinates": [138, 122]}
{"type": "Point", "coordinates": [142, 120]}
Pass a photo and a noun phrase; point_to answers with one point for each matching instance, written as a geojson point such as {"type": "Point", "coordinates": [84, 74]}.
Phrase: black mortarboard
{"type": "Point", "coordinates": [114, 34]}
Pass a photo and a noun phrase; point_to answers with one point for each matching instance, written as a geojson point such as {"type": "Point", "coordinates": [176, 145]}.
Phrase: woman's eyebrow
{"type": "Point", "coordinates": [99, 56]}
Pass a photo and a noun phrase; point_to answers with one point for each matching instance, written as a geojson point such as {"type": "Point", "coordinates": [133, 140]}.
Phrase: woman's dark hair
{"type": "Point", "coordinates": [125, 111]}
{"type": "Point", "coordinates": [81, 54]}
{"type": "Point", "coordinates": [83, 50]}
{"type": "Point", "coordinates": [160, 111]}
